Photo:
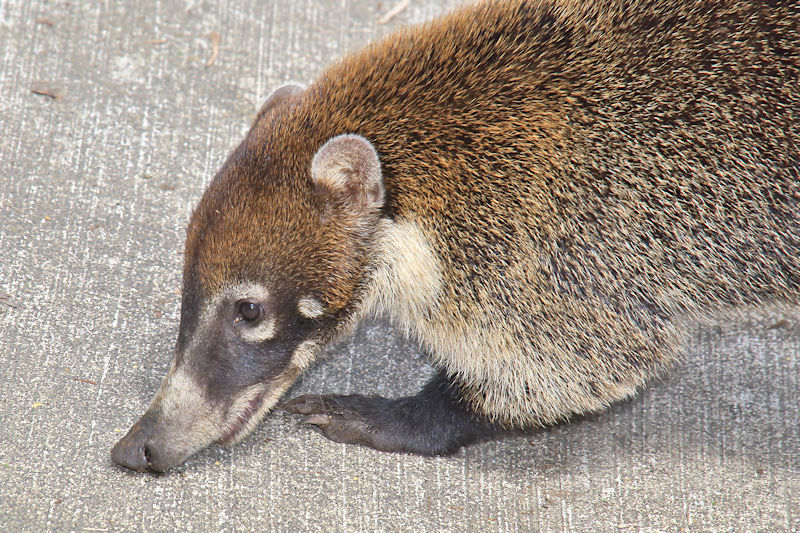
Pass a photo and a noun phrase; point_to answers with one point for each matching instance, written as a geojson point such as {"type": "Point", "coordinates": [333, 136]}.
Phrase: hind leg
{"type": "Point", "coordinates": [433, 422]}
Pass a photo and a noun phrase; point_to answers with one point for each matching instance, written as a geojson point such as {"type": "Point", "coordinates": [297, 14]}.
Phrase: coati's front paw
{"type": "Point", "coordinates": [354, 419]}
{"type": "Point", "coordinates": [432, 422]}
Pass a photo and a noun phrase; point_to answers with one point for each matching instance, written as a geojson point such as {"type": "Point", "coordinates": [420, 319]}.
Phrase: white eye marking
{"type": "Point", "coordinates": [310, 307]}
{"type": "Point", "coordinates": [265, 331]}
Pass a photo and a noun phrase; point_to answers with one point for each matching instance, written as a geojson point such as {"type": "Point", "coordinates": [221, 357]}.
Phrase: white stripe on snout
{"type": "Point", "coordinates": [177, 391]}
{"type": "Point", "coordinates": [185, 409]}
{"type": "Point", "coordinates": [272, 390]}
{"type": "Point", "coordinates": [310, 307]}
{"type": "Point", "coordinates": [265, 331]}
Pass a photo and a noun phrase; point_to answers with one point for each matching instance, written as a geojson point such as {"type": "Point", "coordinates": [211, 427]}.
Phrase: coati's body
{"type": "Point", "coordinates": [560, 184]}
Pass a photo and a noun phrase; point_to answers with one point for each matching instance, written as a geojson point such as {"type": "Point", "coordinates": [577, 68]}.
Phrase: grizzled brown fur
{"type": "Point", "coordinates": [564, 183]}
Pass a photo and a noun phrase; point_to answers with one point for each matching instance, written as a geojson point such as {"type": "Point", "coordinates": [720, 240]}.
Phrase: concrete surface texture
{"type": "Point", "coordinates": [112, 125]}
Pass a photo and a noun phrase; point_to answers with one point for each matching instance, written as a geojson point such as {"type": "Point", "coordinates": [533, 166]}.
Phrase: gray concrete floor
{"type": "Point", "coordinates": [96, 187]}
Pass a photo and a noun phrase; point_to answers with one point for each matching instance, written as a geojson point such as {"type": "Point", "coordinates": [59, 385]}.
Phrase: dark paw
{"type": "Point", "coordinates": [348, 419]}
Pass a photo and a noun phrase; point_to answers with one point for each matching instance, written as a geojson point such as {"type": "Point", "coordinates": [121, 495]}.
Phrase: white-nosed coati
{"type": "Point", "coordinates": [538, 191]}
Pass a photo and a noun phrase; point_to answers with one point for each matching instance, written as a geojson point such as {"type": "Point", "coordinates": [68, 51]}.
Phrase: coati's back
{"type": "Point", "coordinates": [579, 174]}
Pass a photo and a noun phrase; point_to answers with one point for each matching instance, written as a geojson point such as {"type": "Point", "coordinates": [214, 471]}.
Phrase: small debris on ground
{"type": "Point", "coordinates": [4, 300]}
{"type": "Point", "coordinates": [47, 22]}
{"type": "Point", "coordinates": [779, 324]}
{"type": "Point", "coordinates": [394, 11]}
{"type": "Point", "coordinates": [45, 89]}
{"type": "Point", "coordinates": [8, 204]}
{"type": "Point", "coordinates": [157, 41]}
{"type": "Point", "coordinates": [215, 40]}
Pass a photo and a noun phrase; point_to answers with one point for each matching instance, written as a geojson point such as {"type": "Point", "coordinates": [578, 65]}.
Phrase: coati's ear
{"type": "Point", "coordinates": [346, 171]}
{"type": "Point", "coordinates": [279, 96]}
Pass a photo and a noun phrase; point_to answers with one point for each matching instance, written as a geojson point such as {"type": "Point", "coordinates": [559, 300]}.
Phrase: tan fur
{"type": "Point", "coordinates": [310, 307]}
{"type": "Point", "coordinates": [305, 354]}
{"type": "Point", "coordinates": [405, 277]}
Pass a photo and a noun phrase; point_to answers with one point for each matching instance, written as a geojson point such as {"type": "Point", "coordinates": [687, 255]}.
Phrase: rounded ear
{"type": "Point", "coordinates": [281, 95]}
{"type": "Point", "coordinates": [347, 170]}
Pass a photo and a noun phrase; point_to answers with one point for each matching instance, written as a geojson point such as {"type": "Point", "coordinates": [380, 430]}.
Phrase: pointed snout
{"type": "Point", "coordinates": [139, 449]}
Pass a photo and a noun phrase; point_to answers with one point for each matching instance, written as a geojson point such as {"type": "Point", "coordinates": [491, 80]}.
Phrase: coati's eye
{"type": "Point", "coordinates": [249, 310]}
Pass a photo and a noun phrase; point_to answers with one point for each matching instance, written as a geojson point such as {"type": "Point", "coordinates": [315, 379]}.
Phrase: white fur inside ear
{"type": "Point", "coordinates": [310, 307]}
{"type": "Point", "coordinates": [348, 166]}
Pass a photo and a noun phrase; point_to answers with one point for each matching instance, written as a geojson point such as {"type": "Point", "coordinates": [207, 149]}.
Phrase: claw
{"type": "Point", "coordinates": [346, 419]}
{"type": "Point", "coordinates": [303, 405]}
{"type": "Point", "coordinates": [317, 420]}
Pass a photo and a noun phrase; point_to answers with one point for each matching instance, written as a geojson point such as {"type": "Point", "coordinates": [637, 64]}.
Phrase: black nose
{"type": "Point", "coordinates": [138, 450]}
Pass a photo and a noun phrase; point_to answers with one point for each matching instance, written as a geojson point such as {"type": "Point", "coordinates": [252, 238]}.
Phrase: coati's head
{"type": "Point", "coordinates": [275, 255]}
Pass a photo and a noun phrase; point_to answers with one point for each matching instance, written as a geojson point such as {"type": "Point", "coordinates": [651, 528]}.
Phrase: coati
{"type": "Point", "coordinates": [538, 191]}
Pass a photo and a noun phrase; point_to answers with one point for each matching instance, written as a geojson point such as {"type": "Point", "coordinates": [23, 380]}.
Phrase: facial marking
{"type": "Point", "coordinates": [253, 403]}
{"type": "Point", "coordinates": [244, 291]}
{"type": "Point", "coordinates": [177, 391]}
{"type": "Point", "coordinates": [232, 293]}
{"type": "Point", "coordinates": [264, 331]}
{"type": "Point", "coordinates": [182, 392]}
{"type": "Point", "coordinates": [304, 354]}
{"type": "Point", "coordinates": [310, 307]}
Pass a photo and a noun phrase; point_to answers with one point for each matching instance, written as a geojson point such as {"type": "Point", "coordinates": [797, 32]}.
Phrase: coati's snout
{"type": "Point", "coordinates": [272, 262]}
{"type": "Point", "coordinates": [245, 350]}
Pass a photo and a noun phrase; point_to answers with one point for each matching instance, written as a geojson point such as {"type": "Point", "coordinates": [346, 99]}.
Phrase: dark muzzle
{"type": "Point", "coordinates": [138, 449]}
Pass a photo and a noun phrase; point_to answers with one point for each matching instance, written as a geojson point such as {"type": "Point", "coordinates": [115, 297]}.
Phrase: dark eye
{"type": "Point", "coordinates": [249, 311]}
